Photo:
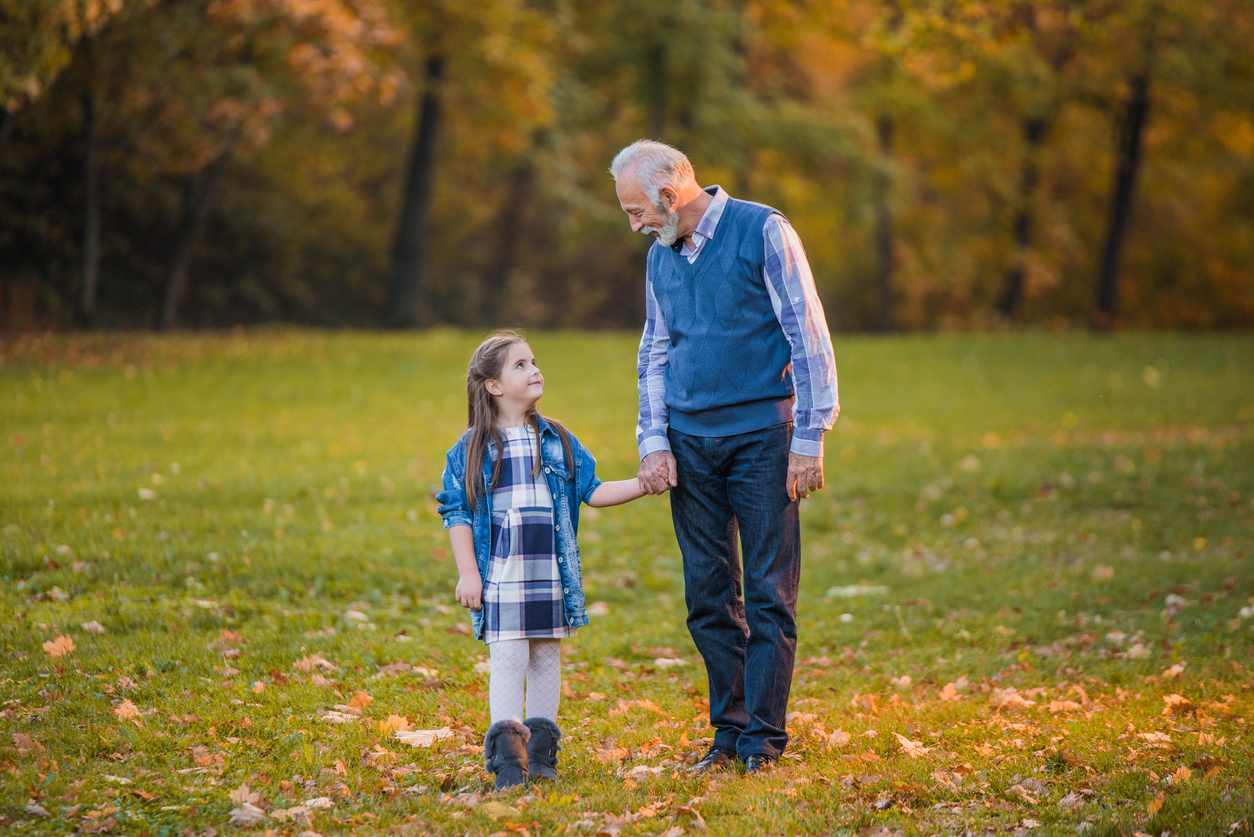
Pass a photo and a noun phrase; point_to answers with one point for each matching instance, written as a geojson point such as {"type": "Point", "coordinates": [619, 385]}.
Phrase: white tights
{"type": "Point", "coordinates": [538, 662]}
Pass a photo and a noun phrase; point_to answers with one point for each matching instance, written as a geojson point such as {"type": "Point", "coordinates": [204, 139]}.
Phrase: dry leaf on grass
{"type": "Point", "coordinates": [244, 794]}
{"type": "Point", "coordinates": [126, 710]}
{"type": "Point", "coordinates": [950, 693]}
{"type": "Point", "coordinates": [913, 749]}
{"type": "Point", "coordinates": [496, 810]}
{"type": "Point", "coordinates": [398, 723]}
{"type": "Point", "coordinates": [1022, 794]}
{"type": "Point", "coordinates": [93, 627]}
{"type": "Point", "coordinates": [25, 744]}
{"type": "Point", "coordinates": [625, 706]}
{"type": "Point", "coordinates": [1008, 698]}
{"type": "Point", "coordinates": [360, 700]}
{"type": "Point", "coordinates": [1155, 805]}
{"type": "Point", "coordinates": [313, 661]}
{"type": "Point", "coordinates": [607, 753]}
{"type": "Point", "coordinates": [423, 737]}
{"type": "Point", "coordinates": [247, 815]}
{"type": "Point", "coordinates": [839, 738]}
{"type": "Point", "coordinates": [59, 647]}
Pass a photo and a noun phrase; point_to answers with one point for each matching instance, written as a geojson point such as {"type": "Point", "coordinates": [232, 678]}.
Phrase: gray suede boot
{"type": "Point", "coordinates": [542, 748]}
{"type": "Point", "coordinates": [505, 752]}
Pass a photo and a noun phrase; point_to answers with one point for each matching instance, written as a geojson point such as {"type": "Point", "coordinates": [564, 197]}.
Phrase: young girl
{"type": "Point", "coordinates": [512, 489]}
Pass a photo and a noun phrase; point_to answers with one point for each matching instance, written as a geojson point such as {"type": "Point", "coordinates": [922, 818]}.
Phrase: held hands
{"type": "Point", "coordinates": [470, 592]}
{"type": "Point", "coordinates": [805, 474]}
{"type": "Point", "coordinates": [658, 473]}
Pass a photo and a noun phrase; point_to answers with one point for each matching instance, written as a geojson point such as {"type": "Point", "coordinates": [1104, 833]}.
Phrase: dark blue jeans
{"type": "Point", "coordinates": [746, 632]}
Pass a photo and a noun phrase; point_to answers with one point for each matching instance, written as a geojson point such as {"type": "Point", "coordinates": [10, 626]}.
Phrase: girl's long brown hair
{"type": "Point", "coordinates": [486, 364]}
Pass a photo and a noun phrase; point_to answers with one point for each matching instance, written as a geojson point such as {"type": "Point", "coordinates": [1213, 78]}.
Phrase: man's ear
{"type": "Point", "coordinates": [669, 197]}
{"type": "Point", "coordinates": [493, 386]}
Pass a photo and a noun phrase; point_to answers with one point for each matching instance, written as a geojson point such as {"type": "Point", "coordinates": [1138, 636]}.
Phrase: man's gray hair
{"type": "Point", "coordinates": [657, 165]}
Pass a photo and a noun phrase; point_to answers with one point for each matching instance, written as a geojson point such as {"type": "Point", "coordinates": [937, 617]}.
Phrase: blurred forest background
{"type": "Point", "coordinates": [948, 163]}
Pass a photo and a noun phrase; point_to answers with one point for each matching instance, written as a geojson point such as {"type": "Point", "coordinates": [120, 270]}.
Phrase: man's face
{"type": "Point", "coordinates": [644, 217]}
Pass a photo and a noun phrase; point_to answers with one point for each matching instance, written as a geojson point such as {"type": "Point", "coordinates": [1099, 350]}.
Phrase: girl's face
{"type": "Point", "coordinates": [520, 383]}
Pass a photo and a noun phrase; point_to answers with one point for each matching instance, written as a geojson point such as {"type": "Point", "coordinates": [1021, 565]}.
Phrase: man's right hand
{"type": "Point", "coordinates": [658, 472]}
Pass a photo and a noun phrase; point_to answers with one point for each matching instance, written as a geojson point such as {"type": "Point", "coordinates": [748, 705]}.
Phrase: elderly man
{"type": "Point", "coordinates": [737, 387]}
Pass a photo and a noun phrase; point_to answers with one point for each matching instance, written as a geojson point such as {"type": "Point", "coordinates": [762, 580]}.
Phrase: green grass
{"type": "Point", "coordinates": [1067, 516]}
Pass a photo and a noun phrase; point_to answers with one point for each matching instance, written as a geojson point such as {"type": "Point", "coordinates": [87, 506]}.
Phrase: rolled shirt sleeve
{"type": "Point", "coordinates": [454, 509]}
{"type": "Point", "coordinates": [800, 313]}
{"type": "Point", "coordinates": [651, 363]}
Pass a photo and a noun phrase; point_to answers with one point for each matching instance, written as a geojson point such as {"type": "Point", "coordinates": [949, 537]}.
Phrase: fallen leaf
{"type": "Point", "coordinates": [950, 693]}
{"type": "Point", "coordinates": [668, 662]}
{"type": "Point", "coordinates": [25, 744]}
{"type": "Point", "coordinates": [397, 723]}
{"type": "Point", "coordinates": [1023, 794]}
{"type": "Point", "coordinates": [244, 794]}
{"type": "Point", "coordinates": [627, 705]}
{"type": "Point", "coordinates": [1175, 672]}
{"type": "Point", "coordinates": [33, 807]}
{"type": "Point", "coordinates": [913, 749]}
{"type": "Point", "coordinates": [673, 831]}
{"type": "Point", "coordinates": [247, 815]}
{"type": "Point", "coordinates": [598, 609]}
{"type": "Point", "coordinates": [126, 710]}
{"type": "Point", "coordinates": [839, 738]}
{"type": "Point", "coordinates": [1008, 698]}
{"type": "Point", "coordinates": [1071, 802]}
{"type": "Point", "coordinates": [360, 700]}
{"type": "Point", "coordinates": [496, 810]}
{"type": "Point", "coordinates": [422, 737]}
{"type": "Point", "coordinates": [59, 647]}
{"type": "Point", "coordinates": [1155, 805]}
{"type": "Point", "coordinates": [319, 802]}
{"type": "Point", "coordinates": [313, 661]}
{"type": "Point", "coordinates": [93, 627]}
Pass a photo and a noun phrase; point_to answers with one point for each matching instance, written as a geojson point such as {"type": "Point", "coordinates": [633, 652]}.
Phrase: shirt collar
{"type": "Point", "coordinates": [713, 212]}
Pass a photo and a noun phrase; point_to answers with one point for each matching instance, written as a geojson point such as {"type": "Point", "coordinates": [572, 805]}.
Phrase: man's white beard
{"type": "Point", "coordinates": [668, 232]}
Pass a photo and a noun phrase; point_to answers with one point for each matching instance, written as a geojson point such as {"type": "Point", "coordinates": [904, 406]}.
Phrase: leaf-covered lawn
{"type": "Point", "coordinates": [1026, 603]}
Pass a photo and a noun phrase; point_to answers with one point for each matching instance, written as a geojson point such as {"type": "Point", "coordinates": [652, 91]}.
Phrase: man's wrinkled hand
{"type": "Point", "coordinates": [805, 474]}
{"type": "Point", "coordinates": [658, 472]}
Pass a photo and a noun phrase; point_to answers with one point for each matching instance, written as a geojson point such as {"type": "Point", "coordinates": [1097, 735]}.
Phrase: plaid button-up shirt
{"type": "Point", "coordinates": [795, 301]}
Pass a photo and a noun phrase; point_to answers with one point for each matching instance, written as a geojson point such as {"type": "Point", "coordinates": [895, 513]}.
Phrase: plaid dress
{"type": "Point", "coordinates": [522, 595]}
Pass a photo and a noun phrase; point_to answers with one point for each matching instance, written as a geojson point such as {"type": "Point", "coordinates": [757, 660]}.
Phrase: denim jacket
{"type": "Point", "coordinates": [568, 491]}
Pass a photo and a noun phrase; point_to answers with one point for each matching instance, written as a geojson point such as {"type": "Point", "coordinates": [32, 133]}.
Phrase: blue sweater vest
{"type": "Point", "coordinates": [729, 366]}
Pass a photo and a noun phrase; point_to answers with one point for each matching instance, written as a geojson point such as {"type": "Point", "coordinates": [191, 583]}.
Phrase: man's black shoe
{"type": "Point", "coordinates": [716, 758]}
{"type": "Point", "coordinates": [759, 764]}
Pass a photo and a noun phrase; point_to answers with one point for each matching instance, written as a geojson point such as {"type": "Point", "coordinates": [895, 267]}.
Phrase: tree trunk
{"type": "Point", "coordinates": [658, 102]}
{"type": "Point", "coordinates": [407, 305]}
{"type": "Point", "coordinates": [199, 194]}
{"type": "Point", "coordinates": [884, 242]}
{"type": "Point", "coordinates": [8, 121]}
{"type": "Point", "coordinates": [1034, 130]}
{"type": "Point", "coordinates": [509, 228]}
{"type": "Point", "coordinates": [1131, 130]}
{"type": "Point", "coordinates": [91, 213]}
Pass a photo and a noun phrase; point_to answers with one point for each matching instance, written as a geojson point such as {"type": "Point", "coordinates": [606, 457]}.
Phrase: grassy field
{"type": "Point", "coordinates": [1026, 602]}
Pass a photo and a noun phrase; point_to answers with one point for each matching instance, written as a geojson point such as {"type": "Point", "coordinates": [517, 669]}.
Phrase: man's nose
{"type": "Point", "coordinates": [636, 223]}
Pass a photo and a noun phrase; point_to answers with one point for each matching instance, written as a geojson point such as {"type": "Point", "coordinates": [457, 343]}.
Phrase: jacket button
{"type": "Point", "coordinates": [548, 470]}
{"type": "Point", "coordinates": [565, 589]}
{"type": "Point", "coordinates": [560, 559]}
{"type": "Point", "coordinates": [558, 527]}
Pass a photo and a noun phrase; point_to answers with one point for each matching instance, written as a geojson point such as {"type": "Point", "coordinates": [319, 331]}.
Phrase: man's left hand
{"type": "Point", "coordinates": [805, 474]}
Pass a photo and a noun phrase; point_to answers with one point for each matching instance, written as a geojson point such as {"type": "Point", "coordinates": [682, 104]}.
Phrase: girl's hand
{"type": "Point", "coordinates": [470, 592]}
